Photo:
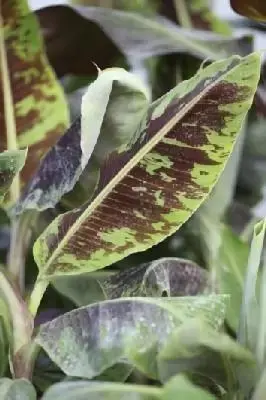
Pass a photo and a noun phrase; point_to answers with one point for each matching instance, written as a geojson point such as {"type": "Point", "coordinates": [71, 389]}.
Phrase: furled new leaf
{"type": "Point", "coordinates": [166, 276]}
{"type": "Point", "coordinates": [146, 192]}
{"type": "Point", "coordinates": [112, 109]}
{"type": "Point", "coordinates": [254, 9]}
{"type": "Point", "coordinates": [11, 162]}
{"type": "Point", "coordinates": [19, 389]}
{"type": "Point", "coordinates": [40, 108]}
{"type": "Point", "coordinates": [140, 37]}
{"type": "Point", "coordinates": [88, 340]}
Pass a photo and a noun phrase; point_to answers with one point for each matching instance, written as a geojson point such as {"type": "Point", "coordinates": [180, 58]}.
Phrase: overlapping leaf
{"type": "Point", "coordinates": [88, 340]}
{"type": "Point", "coordinates": [40, 108]}
{"type": "Point", "coordinates": [147, 191]}
{"type": "Point", "coordinates": [254, 9]}
{"type": "Point", "coordinates": [166, 276]}
{"type": "Point", "coordinates": [139, 37]}
{"type": "Point", "coordinates": [178, 387]}
{"type": "Point", "coordinates": [11, 162]}
{"type": "Point", "coordinates": [19, 389]}
{"type": "Point", "coordinates": [196, 348]}
{"type": "Point", "coordinates": [112, 109]}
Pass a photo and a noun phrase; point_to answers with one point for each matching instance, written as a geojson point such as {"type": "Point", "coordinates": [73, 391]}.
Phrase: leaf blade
{"type": "Point", "coordinates": [173, 152]}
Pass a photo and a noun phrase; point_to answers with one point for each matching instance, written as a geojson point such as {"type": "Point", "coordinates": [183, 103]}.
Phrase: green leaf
{"type": "Point", "coordinates": [230, 267]}
{"type": "Point", "coordinates": [140, 37]}
{"type": "Point", "coordinates": [81, 390]}
{"type": "Point", "coordinates": [166, 276]}
{"type": "Point", "coordinates": [87, 341]}
{"type": "Point", "coordinates": [197, 348]}
{"type": "Point", "coordinates": [250, 318]}
{"type": "Point", "coordinates": [40, 108]}
{"type": "Point", "coordinates": [18, 389]}
{"type": "Point", "coordinates": [181, 388]}
{"type": "Point", "coordinates": [177, 388]}
{"type": "Point", "coordinates": [259, 393]}
{"type": "Point", "coordinates": [82, 289]}
{"type": "Point", "coordinates": [11, 162]}
{"type": "Point", "coordinates": [147, 191]}
{"type": "Point", "coordinates": [112, 109]}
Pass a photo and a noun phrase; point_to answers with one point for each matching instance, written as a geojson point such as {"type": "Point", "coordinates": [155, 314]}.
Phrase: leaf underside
{"type": "Point", "coordinates": [11, 163]}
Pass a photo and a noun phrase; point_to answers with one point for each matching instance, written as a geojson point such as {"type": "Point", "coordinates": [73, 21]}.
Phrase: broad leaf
{"type": "Point", "coordinates": [177, 388]}
{"type": "Point", "coordinates": [88, 340]}
{"type": "Point", "coordinates": [140, 37]}
{"type": "Point", "coordinates": [40, 109]}
{"type": "Point", "coordinates": [166, 276]}
{"type": "Point", "coordinates": [11, 162]}
{"type": "Point", "coordinates": [82, 390]}
{"type": "Point", "coordinates": [196, 348]}
{"type": "Point", "coordinates": [147, 191]}
{"type": "Point", "coordinates": [112, 109]}
{"type": "Point", "coordinates": [18, 389]}
{"type": "Point", "coordinates": [254, 9]}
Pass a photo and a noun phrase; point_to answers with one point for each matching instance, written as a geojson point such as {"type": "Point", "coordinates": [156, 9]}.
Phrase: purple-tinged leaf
{"type": "Point", "coordinates": [166, 276]}
{"type": "Point", "coordinates": [87, 341]}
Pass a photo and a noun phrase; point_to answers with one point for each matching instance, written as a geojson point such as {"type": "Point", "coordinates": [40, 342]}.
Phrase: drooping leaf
{"type": "Point", "coordinates": [40, 108]}
{"type": "Point", "coordinates": [18, 389]}
{"type": "Point", "coordinates": [147, 191]}
{"type": "Point", "coordinates": [11, 162]}
{"type": "Point", "coordinates": [88, 340]}
{"type": "Point", "coordinates": [140, 37]}
{"type": "Point", "coordinates": [166, 276]}
{"type": "Point", "coordinates": [254, 9]}
{"type": "Point", "coordinates": [194, 347]}
{"type": "Point", "coordinates": [112, 109]}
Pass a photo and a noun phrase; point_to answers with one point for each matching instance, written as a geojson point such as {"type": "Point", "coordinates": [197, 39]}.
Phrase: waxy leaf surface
{"type": "Point", "coordinates": [148, 190]}
{"type": "Point", "coordinates": [88, 340]}
{"type": "Point", "coordinates": [166, 276]}
{"type": "Point", "coordinates": [11, 162]}
{"type": "Point", "coordinates": [40, 108]}
{"type": "Point", "coordinates": [17, 389]}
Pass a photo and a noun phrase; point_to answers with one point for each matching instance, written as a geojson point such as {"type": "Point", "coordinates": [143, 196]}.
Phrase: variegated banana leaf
{"type": "Point", "coordinates": [166, 276]}
{"type": "Point", "coordinates": [147, 191]}
{"type": "Point", "coordinates": [40, 109]}
{"type": "Point", "coordinates": [11, 162]}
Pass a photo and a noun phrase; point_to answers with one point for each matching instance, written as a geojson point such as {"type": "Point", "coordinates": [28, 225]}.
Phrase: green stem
{"type": "Point", "coordinates": [22, 328]}
{"type": "Point", "coordinates": [37, 295]}
{"type": "Point", "coordinates": [182, 14]}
